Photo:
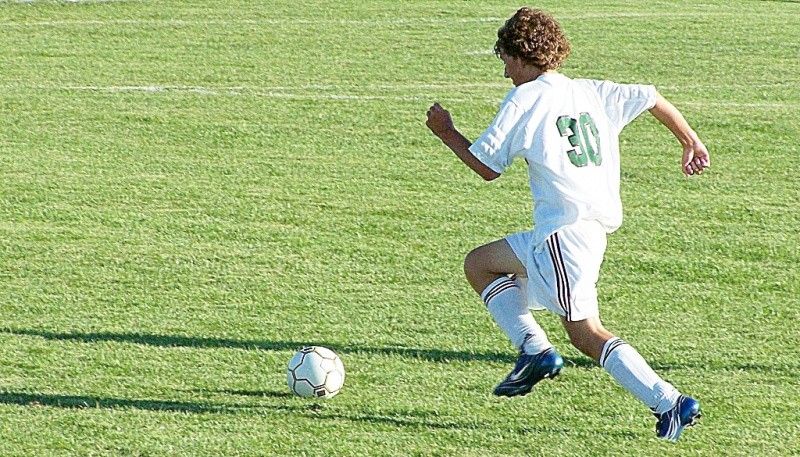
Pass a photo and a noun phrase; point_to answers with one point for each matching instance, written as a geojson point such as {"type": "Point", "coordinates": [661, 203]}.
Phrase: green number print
{"type": "Point", "coordinates": [582, 136]}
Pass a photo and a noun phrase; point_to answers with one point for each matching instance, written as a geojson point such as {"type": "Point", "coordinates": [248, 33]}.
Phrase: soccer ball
{"type": "Point", "coordinates": [315, 371]}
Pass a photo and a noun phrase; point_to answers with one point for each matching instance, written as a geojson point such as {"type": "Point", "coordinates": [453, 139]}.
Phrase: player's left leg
{"type": "Point", "coordinates": [673, 410]}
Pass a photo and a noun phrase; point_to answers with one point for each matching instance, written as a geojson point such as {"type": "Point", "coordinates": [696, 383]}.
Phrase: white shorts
{"type": "Point", "coordinates": [564, 269]}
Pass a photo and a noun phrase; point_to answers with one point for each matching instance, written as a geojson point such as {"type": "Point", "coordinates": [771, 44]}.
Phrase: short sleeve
{"type": "Point", "coordinates": [624, 102]}
{"type": "Point", "coordinates": [493, 147]}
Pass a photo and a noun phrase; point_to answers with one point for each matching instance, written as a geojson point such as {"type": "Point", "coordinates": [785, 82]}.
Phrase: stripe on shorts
{"type": "Point", "coordinates": [498, 289]}
{"type": "Point", "coordinates": [562, 280]}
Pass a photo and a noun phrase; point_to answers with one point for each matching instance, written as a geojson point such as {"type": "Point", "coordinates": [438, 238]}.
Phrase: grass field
{"type": "Point", "coordinates": [193, 190]}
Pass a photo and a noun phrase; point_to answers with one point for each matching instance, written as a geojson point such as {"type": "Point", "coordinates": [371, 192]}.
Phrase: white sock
{"type": "Point", "coordinates": [631, 371]}
{"type": "Point", "coordinates": [507, 305]}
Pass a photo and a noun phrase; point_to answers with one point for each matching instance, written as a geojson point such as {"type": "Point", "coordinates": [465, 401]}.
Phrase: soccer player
{"type": "Point", "coordinates": [567, 131]}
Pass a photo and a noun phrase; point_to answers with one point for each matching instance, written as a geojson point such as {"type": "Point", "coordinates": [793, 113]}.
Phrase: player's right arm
{"type": "Point", "coordinates": [441, 124]}
{"type": "Point", "coordinates": [695, 155]}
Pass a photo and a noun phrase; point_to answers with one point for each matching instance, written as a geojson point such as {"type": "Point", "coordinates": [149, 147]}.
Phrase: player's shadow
{"type": "Point", "coordinates": [396, 421]}
{"type": "Point", "coordinates": [88, 402]}
{"type": "Point", "coordinates": [245, 393]}
{"type": "Point", "coordinates": [432, 355]}
{"type": "Point", "coordinates": [544, 430]}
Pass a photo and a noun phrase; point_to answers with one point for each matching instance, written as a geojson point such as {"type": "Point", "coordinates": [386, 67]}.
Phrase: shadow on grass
{"type": "Point", "coordinates": [565, 431]}
{"type": "Point", "coordinates": [397, 421]}
{"type": "Point", "coordinates": [314, 410]}
{"type": "Point", "coordinates": [311, 409]}
{"type": "Point", "coordinates": [88, 402]}
{"type": "Point", "coordinates": [202, 342]}
{"type": "Point", "coordinates": [432, 355]}
{"type": "Point", "coordinates": [247, 393]}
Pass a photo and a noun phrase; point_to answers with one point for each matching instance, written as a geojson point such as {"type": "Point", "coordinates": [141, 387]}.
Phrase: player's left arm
{"type": "Point", "coordinates": [695, 157]}
{"type": "Point", "coordinates": [441, 124]}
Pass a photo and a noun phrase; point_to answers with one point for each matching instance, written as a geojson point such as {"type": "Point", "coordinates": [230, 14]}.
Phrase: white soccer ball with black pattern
{"type": "Point", "coordinates": [315, 371]}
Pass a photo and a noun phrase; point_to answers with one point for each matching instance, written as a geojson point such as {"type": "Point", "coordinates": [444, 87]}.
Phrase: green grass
{"type": "Point", "coordinates": [191, 191]}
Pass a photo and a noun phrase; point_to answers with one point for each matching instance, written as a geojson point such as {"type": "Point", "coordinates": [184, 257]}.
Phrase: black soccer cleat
{"type": "Point", "coordinates": [529, 370]}
{"type": "Point", "coordinates": [671, 423]}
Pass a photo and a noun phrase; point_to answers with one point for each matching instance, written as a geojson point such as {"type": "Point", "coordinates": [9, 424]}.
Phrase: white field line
{"type": "Point", "coordinates": [291, 93]}
{"type": "Point", "coordinates": [480, 52]}
{"type": "Point", "coordinates": [768, 105]}
{"type": "Point", "coordinates": [276, 92]}
{"type": "Point", "coordinates": [351, 87]}
{"type": "Point", "coordinates": [347, 22]}
{"type": "Point", "coordinates": [224, 22]}
{"type": "Point", "coordinates": [253, 89]}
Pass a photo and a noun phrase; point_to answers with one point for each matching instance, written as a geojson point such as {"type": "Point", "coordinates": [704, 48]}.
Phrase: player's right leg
{"type": "Point", "coordinates": [490, 269]}
{"type": "Point", "coordinates": [673, 410]}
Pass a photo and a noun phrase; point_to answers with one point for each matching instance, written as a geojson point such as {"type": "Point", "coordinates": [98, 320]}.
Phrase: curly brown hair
{"type": "Point", "coordinates": [534, 36]}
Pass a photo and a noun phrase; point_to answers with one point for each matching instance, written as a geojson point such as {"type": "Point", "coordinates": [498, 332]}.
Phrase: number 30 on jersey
{"type": "Point", "coordinates": [582, 136]}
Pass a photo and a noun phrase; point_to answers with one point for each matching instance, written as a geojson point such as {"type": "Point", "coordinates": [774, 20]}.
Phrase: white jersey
{"type": "Point", "coordinates": [568, 132]}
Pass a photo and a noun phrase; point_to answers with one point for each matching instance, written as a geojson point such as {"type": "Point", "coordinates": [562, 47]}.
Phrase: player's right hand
{"type": "Point", "coordinates": [439, 120]}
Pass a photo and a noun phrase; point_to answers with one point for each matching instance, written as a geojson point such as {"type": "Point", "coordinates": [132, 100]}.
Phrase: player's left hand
{"type": "Point", "coordinates": [695, 158]}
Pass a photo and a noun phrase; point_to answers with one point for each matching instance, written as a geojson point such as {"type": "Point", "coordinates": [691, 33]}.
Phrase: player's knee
{"type": "Point", "coordinates": [476, 271]}
{"type": "Point", "coordinates": [473, 264]}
